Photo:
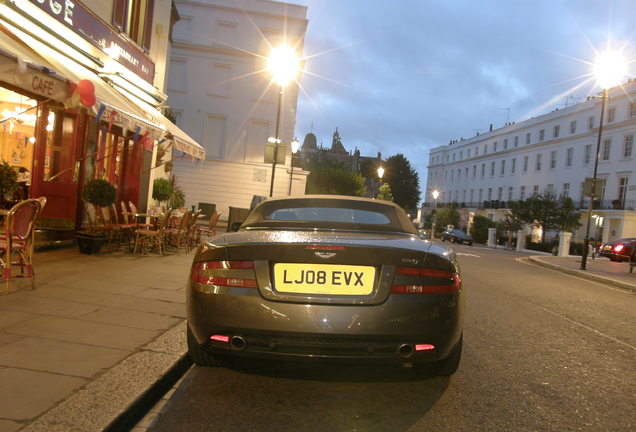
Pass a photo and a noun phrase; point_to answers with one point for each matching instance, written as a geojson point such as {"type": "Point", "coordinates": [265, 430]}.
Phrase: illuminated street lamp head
{"type": "Point", "coordinates": [283, 63]}
{"type": "Point", "coordinates": [295, 145]}
{"type": "Point", "coordinates": [610, 69]}
{"type": "Point", "coordinates": [435, 194]}
{"type": "Point", "coordinates": [380, 172]}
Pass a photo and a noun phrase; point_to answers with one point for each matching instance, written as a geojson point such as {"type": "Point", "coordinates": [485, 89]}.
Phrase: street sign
{"type": "Point", "coordinates": [587, 187]}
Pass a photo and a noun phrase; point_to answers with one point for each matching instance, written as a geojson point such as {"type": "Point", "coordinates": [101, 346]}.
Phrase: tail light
{"type": "Point", "coordinates": [619, 247]}
{"type": "Point", "coordinates": [225, 273]}
{"type": "Point", "coordinates": [415, 280]}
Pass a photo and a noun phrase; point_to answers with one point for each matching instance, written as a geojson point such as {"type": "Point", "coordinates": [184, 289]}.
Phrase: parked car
{"type": "Point", "coordinates": [326, 277]}
{"type": "Point", "coordinates": [457, 236]}
{"type": "Point", "coordinates": [618, 250]}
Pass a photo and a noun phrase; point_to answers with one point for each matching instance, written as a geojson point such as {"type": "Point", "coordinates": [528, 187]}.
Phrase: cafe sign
{"type": "Point", "coordinates": [82, 21]}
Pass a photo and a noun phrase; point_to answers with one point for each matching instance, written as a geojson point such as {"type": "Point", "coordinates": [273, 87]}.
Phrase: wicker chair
{"type": "Point", "coordinates": [149, 238]}
{"type": "Point", "coordinates": [178, 237]}
{"type": "Point", "coordinates": [209, 230]}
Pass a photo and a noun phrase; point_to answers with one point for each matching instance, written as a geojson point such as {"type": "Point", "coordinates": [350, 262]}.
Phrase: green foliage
{"type": "Point", "coordinates": [546, 212]}
{"type": "Point", "coordinates": [334, 179]}
{"type": "Point", "coordinates": [384, 192]}
{"type": "Point", "coordinates": [479, 228]}
{"type": "Point", "coordinates": [8, 181]}
{"type": "Point", "coordinates": [177, 199]}
{"type": "Point", "coordinates": [99, 192]}
{"type": "Point", "coordinates": [162, 189]}
{"type": "Point", "coordinates": [447, 216]}
{"type": "Point", "coordinates": [404, 182]}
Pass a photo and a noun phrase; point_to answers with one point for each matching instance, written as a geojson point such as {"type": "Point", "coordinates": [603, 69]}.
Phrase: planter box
{"type": "Point", "coordinates": [90, 243]}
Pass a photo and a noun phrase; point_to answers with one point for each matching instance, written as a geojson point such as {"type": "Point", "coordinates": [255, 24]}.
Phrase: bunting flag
{"type": "Point", "coordinates": [100, 112]}
{"type": "Point", "coordinates": [137, 131]}
{"type": "Point", "coordinates": [113, 113]}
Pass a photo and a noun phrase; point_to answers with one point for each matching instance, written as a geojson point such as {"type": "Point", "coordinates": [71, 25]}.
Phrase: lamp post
{"type": "Point", "coordinates": [610, 68]}
{"type": "Point", "coordinates": [283, 64]}
{"type": "Point", "coordinates": [295, 145]}
{"type": "Point", "coordinates": [435, 194]}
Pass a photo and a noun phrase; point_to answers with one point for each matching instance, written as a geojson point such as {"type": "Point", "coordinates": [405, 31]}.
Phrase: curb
{"type": "Point", "coordinates": [583, 274]}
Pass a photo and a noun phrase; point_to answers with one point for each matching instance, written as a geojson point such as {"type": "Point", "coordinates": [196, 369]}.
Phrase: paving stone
{"type": "Point", "coordinates": [9, 317]}
{"type": "Point", "coordinates": [128, 318]}
{"type": "Point", "coordinates": [45, 306]}
{"type": "Point", "coordinates": [63, 292]}
{"type": "Point", "coordinates": [146, 305]}
{"type": "Point", "coordinates": [25, 394]}
{"type": "Point", "coordinates": [159, 294]}
{"type": "Point", "coordinates": [59, 357]}
{"type": "Point", "coordinates": [83, 332]}
{"type": "Point", "coordinates": [6, 338]}
{"type": "Point", "coordinates": [9, 426]}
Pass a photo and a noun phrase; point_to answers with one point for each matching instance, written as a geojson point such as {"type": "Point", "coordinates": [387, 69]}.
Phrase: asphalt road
{"type": "Point", "coordinates": [543, 351]}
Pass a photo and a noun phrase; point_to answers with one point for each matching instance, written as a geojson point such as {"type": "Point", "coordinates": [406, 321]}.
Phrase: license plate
{"type": "Point", "coordinates": [324, 279]}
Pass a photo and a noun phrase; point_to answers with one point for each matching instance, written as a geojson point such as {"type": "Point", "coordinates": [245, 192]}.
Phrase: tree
{"type": "Point", "coordinates": [545, 212]}
{"type": "Point", "coordinates": [404, 182]}
{"type": "Point", "coordinates": [479, 228]}
{"type": "Point", "coordinates": [509, 225]}
{"type": "Point", "coordinates": [334, 179]}
{"type": "Point", "coordinates": [384, 193]}
{"type": "Point", "coordinates": [447, 216]}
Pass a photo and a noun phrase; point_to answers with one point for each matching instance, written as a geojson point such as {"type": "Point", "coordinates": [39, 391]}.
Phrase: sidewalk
{"type": "Point", "coordinates": [94, 336]}
{"type": "Point", "coordinates": [600, 269]}
{"type": "Point", "coordinates": [102, 335]}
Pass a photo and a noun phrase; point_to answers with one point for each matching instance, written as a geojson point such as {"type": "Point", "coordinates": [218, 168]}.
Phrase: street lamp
{"type": "Point", "coordinates": [610, 69]}
{"type": "Point", "coordinates": [435, 194]}
{"type": "Point", "coordinates": [377, 185]}
{"type": "Point", "coordinates": [283, 64]}
{"type": "Point", "coordinates": [295, 145]}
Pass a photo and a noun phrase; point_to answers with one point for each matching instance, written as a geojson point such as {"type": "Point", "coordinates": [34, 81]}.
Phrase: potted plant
{"type": "Point", "coordinates": [8, 182]}
{"type": "Point", "coordinates": [162, 189]}
{"type": "Point", "coordinates": [99, 193]}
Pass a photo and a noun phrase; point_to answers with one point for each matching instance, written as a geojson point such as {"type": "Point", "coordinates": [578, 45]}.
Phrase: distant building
{"type": "Point", "coordinates": [554, 152]}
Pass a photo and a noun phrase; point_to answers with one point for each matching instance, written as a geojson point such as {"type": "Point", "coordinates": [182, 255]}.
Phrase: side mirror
{"type": "Point", "coordinates": [235, 226]}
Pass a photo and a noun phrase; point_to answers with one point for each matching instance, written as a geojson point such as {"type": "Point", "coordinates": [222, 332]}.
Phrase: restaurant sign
{"type": "Point", "coordinates": [83, 22]}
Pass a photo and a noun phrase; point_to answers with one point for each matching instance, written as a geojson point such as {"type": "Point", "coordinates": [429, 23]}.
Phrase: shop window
{"type": "Point", "coordinates": [134, 17]}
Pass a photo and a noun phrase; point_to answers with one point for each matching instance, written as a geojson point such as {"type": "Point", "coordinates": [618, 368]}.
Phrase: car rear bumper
{"type": "Point", "coordinates": [384, 333]}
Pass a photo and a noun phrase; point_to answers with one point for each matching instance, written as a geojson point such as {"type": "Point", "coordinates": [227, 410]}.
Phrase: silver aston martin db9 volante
{"type": "Point", "coordinates": [326, 277]}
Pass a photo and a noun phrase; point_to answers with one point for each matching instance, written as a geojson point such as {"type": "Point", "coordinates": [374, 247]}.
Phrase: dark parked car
{"type": "Point", "coordinates": [457, 236]}
{"type": "Point", "coordinates": [326, 278]}
{"type": "Point", "coordinates": [618, 250]}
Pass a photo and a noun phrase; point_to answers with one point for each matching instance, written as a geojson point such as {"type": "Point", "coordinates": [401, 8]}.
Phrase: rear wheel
{"type": "Point", "coordinates": [449, 365]}
{"type": "Point", "coordinates": [198, 355]}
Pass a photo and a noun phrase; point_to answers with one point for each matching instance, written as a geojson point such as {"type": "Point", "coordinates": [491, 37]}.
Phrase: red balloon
{"type": "Point", "coordinates": [88, 100]}
{"type": "Point", "coordinates": [85, 88]}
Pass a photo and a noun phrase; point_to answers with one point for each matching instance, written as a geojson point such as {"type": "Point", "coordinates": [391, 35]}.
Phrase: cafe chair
{"type": "Point", "coordinates": [209, 230]}
{"type": "Point", "coordinates": [149, 238]}
{"type": "Point", "coordinates": [192, 229]}
{"type": "Point", "coordinates": [178, 237]}
{"type": "Point", "coordinates": [16, 244]}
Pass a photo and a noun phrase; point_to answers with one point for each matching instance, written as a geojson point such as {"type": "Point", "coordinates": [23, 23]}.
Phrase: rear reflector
{"type": "Point", "coordinates": [618, 248]}
{"type": "Point", "coordinates": [220, 273]}
{"type": "Point", "coordinates": [424, 347]}
{"type": "Point", "coordinates": [427, 281]}
{"type": "Point", "coordinates": [220, 338]}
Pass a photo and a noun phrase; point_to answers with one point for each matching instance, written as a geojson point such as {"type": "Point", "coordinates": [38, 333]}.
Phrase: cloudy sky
{"type": "Point", "coordinates": [404, 76]}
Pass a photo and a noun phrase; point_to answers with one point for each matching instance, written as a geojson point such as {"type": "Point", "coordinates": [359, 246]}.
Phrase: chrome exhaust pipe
{"type": "Point", "coordinates": [238, 343]}
{"type": "Point", "coordinates": [405, 350]}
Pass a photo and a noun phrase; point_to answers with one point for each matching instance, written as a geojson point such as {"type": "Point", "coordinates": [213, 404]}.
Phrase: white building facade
{"type": "Point", "coordinates": [223, 97]}
{"type": "Point", "coordinates": [554, 152]}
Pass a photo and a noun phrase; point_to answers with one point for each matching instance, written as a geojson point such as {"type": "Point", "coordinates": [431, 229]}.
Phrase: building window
{"type": "Point", "coordinates": [528, 137]}
{"type": "Point", "coordinates": [587, 156]}
{"type": "Point", "coordinates": [535, 190]}
{"type": "Point", "coordinates": [489, 194]}
{"type": "Point", "coordinates": [538, 162]}
{"type": "Point", "coordinates": [494, 146]}
{"type": "Point", "coordinates": [485, 149]}
{"type": "Point", "coordinates": [525, 163]}
{"type": "Point", "coordinates": [492, 169]}
{"type": "Point", "coordinates": [464, 195]}
{"type": "Point", "coordinates": [522, 193]}
{"type": "Point", "coordinates": [590, 122]}
{"type": "Point", "coordinates": [556, 131]}
{"type": "Point", "coordinates": [569, 156]}
{"type": "Point", "coordinates": [472, 195]}
{"type": "Point", "coordinates": [481, 194]}
{"type": "Point", "coordinates": [459, 174]}
{"type": "Point", "coordinates": [510, 189]}
{"type": "Point", "coordinates": [134, 18]}
{"type": "Point", "coordinates": [453, 157]}
{"type": "Point", "coordinates": [500, 194]}
{"type": "Point", "coordinates": [549, 189]}
{"type": "Point", "coordinates": [452, 175]}
{"type": "Point", "coordinates": [566, 190]}
{"type": "Point", "coordinates": [474, 171]}
{"type": "Point", "coordinates": [553, 160]}
{"type": "Point", "coordinates": [541, 134]}
{"type": "Point", "coordinates": [468, 153]}
{"type": "Point", "coordinates": [516, 141]}
{"type": "Point", "coordinates": [628, 146]}
{"type": "Point", "coordinates": [513, 167]}
{"type": "Point", "coordinates": [466, 173]}
{"type": "Point", "coordinates": [622, 190]}
{"type": "Point", "coordinates": [461, 155]}
{"type": "Point", "coordinates": [506, 143]}
{"type": "Point", "coordinates": [573, 127]}
{"type": "Point", "coordinates": [503, 167]}
{"type": "Point", "coordinates": [607, 146]}
{"type": "Point", "coordinates": [611, 115]}
{"type": "Point", "coordinates": [483, 170]}
{"type": "Point", "coordinates": [632, 109]}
